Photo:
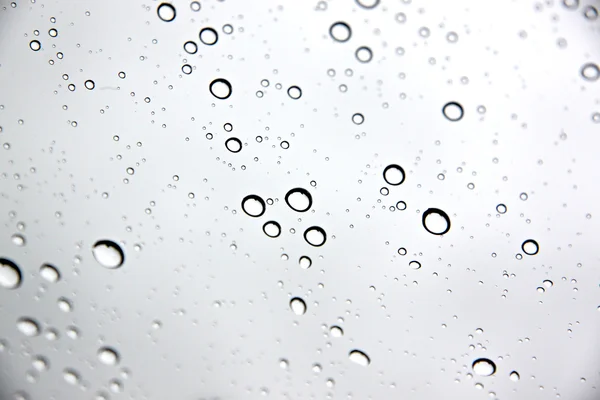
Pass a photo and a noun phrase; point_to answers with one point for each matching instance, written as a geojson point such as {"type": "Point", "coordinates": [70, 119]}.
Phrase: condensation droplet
{"type": "Point", "coordinates": [315, 236]}
{"type": "Point", "coordinates": [108, 356]}
{"type": "Point", "coordinates": [436, 221]}
{"type": "Point", "coordinates": [299, 199]}
{"type": "Point", "coordinates": [253, 205]}
{"type": "Point", "coordinates": [108, 254]}
{"type": "Point", "coordinates": [359, 357]}
{"type": "Point", "coordinates": [484, 367]}
{"type": "Point", "coordinates": [10, 274]}
{"type": "Point", "coordinates": [298, 306]}
{"type": "Point", "coordinates": [166, 12]}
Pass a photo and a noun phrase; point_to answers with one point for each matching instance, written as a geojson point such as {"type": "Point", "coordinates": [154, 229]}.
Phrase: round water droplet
{"type": "Point", "coordinates": [108, 356]}
{"type": "Point", "coordinates": [220, 88]}
{"type": "Point", "coordinates": [298, 306]}
{"type": "Point", "coordinates": [453, 111]}
{"type": "Point", "coordinates": [305, 262]}
{"type": "Point", "coordinates": [340, 31]}
{"type": "Point", "coordinates": [18, 239]}
{"type": "Point", "coordinates": [501, 208]}
{"type": "Point", "coordinates": [299, 199]}
{"type": "Point", "coordinates": [253, 205]}
{"type": "Point", "coordinates": [209, 36]}
{"type": "Point", "coordinates": [166, 12]}
{"type": "Point", "coordinates": [590, 72]}
{"type": "Point", "coordinates": [364, 54]}
{"type": "Point", "coordinates": [89, 84]}
{"type": "Point", "coordinates": [233, 144]}
{"type": "Point", "coordinates": [402, 251]}
{"type": "Point", "coordinates": [283, 363]}
{"type": "Point", "coordinates": [35, 45]}
{"type": "Point", "coordinates": [50, 273]}
{"type": "Point", "coordinates": [393, 174]}
{"type": "Point", "coordinates": [186, 69]}
{"type": "Point", "coordinates": [195, 6]}
{"type": "Point", "coordinates": [315, 236]}
{"type": "Point", "coordinates": [10, 274]}
{"type": "Point", "coordinates": [108, 254]}
{"type": "Point", "coordinates": [65, 304]}
{"type": "Point", "coordinates": [401, 205]}
{"type": "Point", "coordinates": [571, 4]}
{"type": "Point", "coordinates": [71, 376]}
{"type": "Point", "coordinates": [40, 363]}
{"type": "Point", "coordinates": [414, 264]}
{"type": "Point", "coordinates": [190, 47]}
{"type": "Point", "coordinates": [28, 327]}
{"type": "Point", "coordinates": [358, 119]}
{"type": "Point", "coordinates": [530, 247]}
{"type": "Point", "coordinates": [436, 221]}
{"type": "Point", "coordinates": [272, 229]}
{"type": "Point", "coordinates": [514, 376]}
{"type": "Point", "coordinates": [548, 283]}
{"type": "Point", "coordinates": [359, 358]}
{"type": "Point", "coordinates": [294, 92]}
{"type": "Point", "coordinates": [590, 13]}
{"type": "Point", "coordinates": [368, 4]}
{"type": "Point", "coordinates": [484, 367]}
{"type": "Point", "coordinates": [336, 331]}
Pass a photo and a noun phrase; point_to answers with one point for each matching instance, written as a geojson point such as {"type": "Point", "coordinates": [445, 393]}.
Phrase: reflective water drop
{"type": "Point", "coordinates": [166, 12]}
{"type": "Point", "coordinates": [590, 13]}
{"type": "Point", "coordinates": [530, 247]}
{"type": "Point", "coordinates": [10, 274]}
{"type": "Point", "coordinates": [298, 306]}
{"type": "Point", "coordinates": [89, 84]}
{"type": "Point", "coordinates": [272, 229]}
{"type": "Point", "coordinates": [453, 111]}
{"type": "Point", "coordinates": [402, 251]}
{"type": "Point", "coordinates": [294, 92]}
{"type": "Point", "coordinates": [364, 54]}
{"type": "Point", "coordinates": [71, 376]}
{"type": "Point", "coordinates": [35, 45]}
{"type": "Point", "coordinates": [590, 72]}
{"type": "Point", "coordinates": [186, 69]}
{"type": "Point", "coordinates": [49, 273]}
{"type": "Point", "coordinates": [359, 358]}
{"type": "Point", "coordinates": [358, 118]}
{"type": "Point", "coordinates": [305, 262]}
{"type": "Point", "coordinates": [65, 304]}
{"type": "Point", "coordinates": [209, 36]}
{"type": "Point", "coordinates": [436, 221]}
{"type": "Point", "coordinates": [393, 174]}
{"type": "Point", "coordinates": [340, 31]}
{"type": "Point", "coordinates": [190, 47]}
{"type": "Point", "coordinates": [336, 331]}
{"type": "Point", "coordinates": [315, 236]}
{"type": "Point", "coordinates": [40, 363]}
{"type": "Point", "coordinates": [501, 208]}
{"type": "Point", "coordinates": [548, 283]}
{"type": "Point", "coordinates": [484, 367]}
{"type": "Point", "coordinates": [299, 199]}
{"type": "Point", "coordinates": [18, 239]}
{"type": "Point", "coordinates": [368, 4]}
{"type": "Point", "coordinates": [401, 205]}
{"type": "Point", "coordinates": [233, 144]}
{"type": "Point", "coordinates": [571, 4]}
{"type": "Point", "coordinates": [253, 205]}
{"type": "Point", "coordinates": [414, 265]}
{"type": "Point", "coordinates": [28, 327]}
{"type": "Point", "coordinates": [108, 356]}
{"type": "Point", "coordinates": [220, 88]}
{"type": "Point", "coordinates": [195, 6]}
{"type": "Point", "coordinates": [108, 254]}
{"type": "Point", "coordinates": [284, 364]}
{"type": "Point", "coordinates": [514, 376]}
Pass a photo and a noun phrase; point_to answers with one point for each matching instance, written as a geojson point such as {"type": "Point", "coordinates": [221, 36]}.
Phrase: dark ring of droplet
{"type": "Point", "coordinates": [488, 361]}
{"type": "Point", "coordinates": [368, 50]}
{"type": "Point", "coordinates": [303, 192]}
{"type": "Point", "coordinates": [318, 229]}
{"type": "Point", "coordinates": [272, 223]}
{"type": "Point", "coordinates": [344, 25]}
{"type": "Point", "coordinates": [442, 214]}
{"type": "Point", "coordinates": [394, 166]}
{"type": "Point", "coordinates": [596, 70]}
{"type": "Point", "coordinates": [38, 44]}
{"type": "Point", "coordinates": [537, 247]}
{"type": "Point", "coordinates": [368, 7]}
{"type": "Point", "coordinates": [257, 198]}
{"type": "Point", "coordinates": [168, 6]}
{"type": "Point", "coordinates": [14, 266]}
{"type": "Point", "coordinates": [221, 80]}
{"type": "Point", "coordinates": [299, 91]}
{"type": "Point", "coordinates": [195, 47]}
{"type": "Point", "coordinates": [209, 30]}
{"type": "Point", "coordinates": [233, 139]}
{"type": "Point", "coordinates": [111, 244]}
{"type": "Point", "coordinates": [450, 104]}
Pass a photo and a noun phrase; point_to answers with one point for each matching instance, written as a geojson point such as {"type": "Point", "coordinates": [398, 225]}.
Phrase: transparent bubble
{"type": "Point", "coordinates": [414, 265]}
{"type": "Point", "coordinates": [195, 6]}
{"type": "Point", "coordinates": [233, 144]}
{"type": "Point", "coordinates": [359, 357]}
{"type": "Point", "coordinates": [358, 118]}
{"type": "Point", "coordinates": [89, 84]}
{"type": "Point", "coordinates": [400, 17]}
{"type": "Point", "coordinates": [484, 367]}
{"type": "Point", "coordinates": [272, 229]}
{"type": "Point", "coordinates": [401, 205]}
{"type": "Point", "coordinates": [501, 208]}
{"type": "Point", "coordinates": [227, 29]}
{"type": "Point", "coordinates": [294, 92]}
{"type": "Point", "coordinates": [28, 327]}
{"type": "Point", "coordinates": [166, 12]}
{"type": "Point", "coordinates": [394, 174]}
{"type": "Point", "coordinates": [299, 199]}
{"type": "Point", "coordinates": [364, 54]}
{"type": "Point", "coordinates": [10, 274]}
{"type": "Point", "coordinates": [65, 304]}
{"type": "Point", "coordinates": [35, 45]}
{"type": "Point", "coordinates": [514, 376]}
{"type": "Point", "coordinates": [208, 36]}
{"type": "Point", "coordinates": [108, 254]}
{"type": "Point", "coordinates": [315, 236]}
{"type": "Point", "coordinates": [186, 69]}
{"type": "Point", "coordinates": [190, 47]}
{"type": "Point", "coordinates": [402, 251]}
{"type": "Point", "coordinates": [452, 37]}
{"type": "Point", "coordinates": [108, 356]}
{"type": "Point", "coordinates": [336, 331]}
{"type": "Point", "coordinates": [590, 13]}
{"type": "Point", "coordinates": [298, 306]}
{"type": "Point", "coordinates": [590, 72]}
{"type": "Point", "coordinates": [71, 376]}
{"type": "Point", "coordinates": [220, 88]}
{"type": "Point", "coordinates": [53, 32]}
{"type": "Point", "coordinates": [530, 247]}
{"type": "Point", "coordinates": [340, 31]}
{"type": "Point", "coordinates": [305, 262]}
{"type": "Point", "coordinates": [368, 4]}
{"type": "Point", "coordinates": [453, 111]}
{"type": "Point", "coordinates": [253, 205]}
{"type": "Point", "coordinates": [436, 221]}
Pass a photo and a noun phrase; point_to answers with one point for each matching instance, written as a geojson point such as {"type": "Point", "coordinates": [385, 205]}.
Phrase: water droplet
{"type": "Point", "coordinates": [18, 240]}
{"type": "Point", "coordinates": [530, 247]}
{"type": "Point", "coordinates": [571, 4]}
{"type": "Point", "coordinates": [590, 13]}
{"type": "Point", "coordinates": [436, 221]}
{"type": "Point", "coordinates": [65, 304]}
{"type": "Point", "coordinates": [364, 54]}
{"type": "Point", "coordinates": [89, 84]}
{"type": "Point", "coordinates": [315, 236]}
{"type": "Point", "coordinates": [108, 254]}
{"type": "Point", "coordinates": [294, 92]}
{"type": "Point", "coordinates": [336, 331]}
{"type": "Point", "coordinates": [166, 12]}
{"type": "Point", "coordinates": [548, 283]}
{"type": "Point", "coordinates": [590, 72]}
{"type": "Point", "coordinates": [71, 376]}
{"type": "Point", "coordinates": [284, 364]}
{"type": "Point", "coordinates": [298, 306]}
{"type": "Point", "coordinates": [299, 199]}
{"type": "Point", "coordinates": [233, 144]}
{"type": "Point", "coordinates": [368, 4]}
{"type": "Point", "coordinates": [453, 111]}
{"type": "Point", "coordinates": [272, 229]}
{"type": "Point", "coordinates": [186, 69]}
{"type": "Point", "coordinates": [10, 274]}
{"type": "Point", "coordinates": [253, 205]}
{"type": "Point", "coordinates": [49, 273]}
{"type": "Point", "coordinates": [402, 251]}
{"type": "Point", "coordinates": [414, 264]}
{"type": "Point", "coordinates": [305, 262]}
{"type": "Point", "coordinates": [401, 205]}
{"type": "Point", "coordinates": [195, 6]}
{"type": "Point", "coordinates": [28, 327]}
{"type": "Point", "coordinates": [340, 31]}
{"type": "Point", "coordinates": [220, 88]}
{"type": "Point", "coordinates": [209, 36]}
{"type": "Point", "coordinates": [108, 356]}
{"type": "Point", "coordinates": [358, 118]}
{"type": "Point", "coordinates": [190, 47]}
{"type": "Point", "coordinates": [501, 208]}
{"type": "Point", "coordinates": [35, 45]}
{"type": "Point", "coordinates": [359, 358]}
{"type": "Point", "coordinates": [53, 32]}
{"type": "Point", "coordinates": [452, 37]}
{"type": "Point", "coordinates": [484, 367]}
{"type": "Point", "coordinates": [394, 174]}
{"type": "Point", "coordinates": [227, 29]}
{"type": "Point", "coordinates": [514, 376]}
{"type": "Point", "coordinates": [40, 363]}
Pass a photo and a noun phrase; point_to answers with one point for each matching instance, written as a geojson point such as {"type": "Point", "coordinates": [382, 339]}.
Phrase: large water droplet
{"type": "Point", "coordinates": [65, 305]}
{"type": "Point", "coordinates": [484, 367]}
{"type": "Point", "coordinates": [190, 47]}
{"type": "Point", "coordinates": [40, 363]}
{"type": "Point", "coordinates": [108, 254]}
{"type": "Point", "coordinates": [394, 174]}
{"type": "Point", "coordinates": [166, 12]}
{"type": "Point", "coordinates": [315, 236]}
{"type": "Point", "coordinates": [368, 4]}
{"type": "Point", "coordinates": [108, 356]}
{"type": "Point", "coordinates": [336, 331]}
{"type": "Point", "coordinates": [50, 273]}
{"type": "Point", "coordinates": [209, 36]}
{"type": "Point", "coordinates": [305, 262]}
{"type": "Point", "coordinates": [294, 92]}
{"type": "Point", "coordinates": [18, 239]}
{"type": "Point", "coordinates": [272, 229]}
{"type": "Point", "coordinates": [530, 247]}
{"type": "Point", "coordinates": [514, 376]}
{"type": "Point", "coordinates": [359, 358]}
{"type": "Point", "coordinates": [220, 88]}
{"type": "Point", "coordinates": [28, 327]}
{"type": "Point", "coordinates": [71, 376]}
{"type": "Point", "coordinates": [299, 199]}
{"type": "Point", "coordinates": [340, 32]}
{"type": "Point", "coordinates": [590, 72]}
{"type": "Point", "coordinates": [364, 54]}
{"type": "Point", "coordinates": [414, 264]}
{"type": "Point", "coordinates": [453, 111]}
{"type": "Point", "coordinates": [436, 221]}
{"type": "Point", "coordinates": [35, 45]}
{"type": "Point", "coordinates": [233, 144]}
{"type": "Point", "coordinates": [10, 274]}
{"type": "Point", "coordinates": [253, 205]}
{"type": "Point", "coordinates": [298, 306]}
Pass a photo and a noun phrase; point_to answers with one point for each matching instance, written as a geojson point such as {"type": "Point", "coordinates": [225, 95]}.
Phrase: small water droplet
{"type": "Point", "coordinates": [453, 111]}
{"type": "Point", "coordinates": [299, 199]}
{"type": "Point", "coordinates": [359, 358]}
{"type": "Point", "coordinates": [315, 236]}
{"type": "Point", "coordinates": [484, 367]}
{"type": "Point", "coordinates": [10, 274]}
{"type": "Point", "coordinates": [253, 205]}
{"type": "Point", "coordinates": [166, 12]}
{"type": "Point", "coordinates": [298, 306]}
{"type": "Point", "coordinates": [436, 221]}
{"type": "Point", "coordinates": [108, 254]}
{"type": "Point", "coordinates": [108, 356]}
{"type": "Point", "coordinates": [28, 327]}
{"type": "Point", "coordinates": [272, 229]}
